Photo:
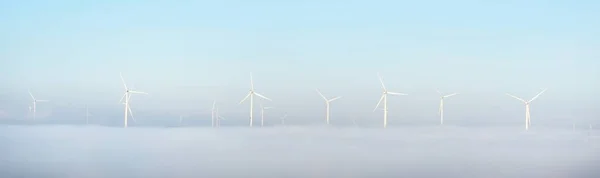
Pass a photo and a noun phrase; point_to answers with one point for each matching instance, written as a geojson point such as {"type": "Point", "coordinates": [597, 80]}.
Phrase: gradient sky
{"type": "Point", "coordinates": [188, 53]}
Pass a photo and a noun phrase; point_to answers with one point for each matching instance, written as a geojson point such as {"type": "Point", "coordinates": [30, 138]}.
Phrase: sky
{"type": "Point", "coordinates": [188, 53]}
{"type": "Point", "coordinates": [74, 151]}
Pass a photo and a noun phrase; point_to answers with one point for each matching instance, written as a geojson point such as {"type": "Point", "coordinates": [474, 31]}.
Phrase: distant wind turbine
{"type": "Point", "coordinates": [213, 121]}
{"type": "Point", "coordinates": [384, 99]}
{"type": "Point", "coordinates": [34, 103]}
{"type": "Point", "coordinates": [251, 96]}
{"type": "Point", "coordinates": [327, 101]}
{"type": "Point", "coordinates": [218, 117]}
{"type": "Point", "coordinates": [127, 96]}
{"type": "Point", "coordinates": [262, 114]}
{"type": "Point", "coordinates": [527, 116]}
{"type": "Point", "coordinates": [441, 111]}
{"type": "Point", "coordinates": [283, 119]}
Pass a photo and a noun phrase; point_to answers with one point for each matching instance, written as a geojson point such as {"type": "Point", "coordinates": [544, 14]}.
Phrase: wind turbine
{"type": "Point", "coordinates": [384, 99]}
{"type": "Point", "coordinates": [213, 111]}
{"type": "Point", "coordinates": [218, 117]}
{"type": "Point", "coordinates": [127, 95]}
{"type": "Point", "coordinates": [527, 116]}
{"type": "Point", "coordinates": [441, 111]}
{"type": "Point", "coordinates": [283, 119]}
{"type": "Point", "coordinates": [251, 95]}
{"type": "Point", "coordinates": [34, 103]}
{"type": "Point", "coordinates": [262, 114]}
{"type": "Point", "coordinates": [327, 101]}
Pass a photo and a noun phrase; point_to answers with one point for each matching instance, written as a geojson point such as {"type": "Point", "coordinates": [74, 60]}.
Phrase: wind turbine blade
{"type": "Point", "coordinates": [131, 114]}
{"type": "Point", "coordinates": [450, 95]}
{"type": "Point", "coordinates": [42, 100]}
{"type": "Point", "coordinates": [438, 91]}
{"type": "Point", "coordinates": [121, 100]}
{"type": "Point", "coordinates": [322, 96]}
{"type": "Point", "coordinates": [333, 99]}
{"type": "Point", "coordinates": [381, 80]}
{"type": "Point", "coordinates": [31, 94]}
{"type": "Point", "coordinates": [245, 97]}
{"type": "Point", "coordinates": [123, 80]}
{"type": "Point", "coordinates": [517, 98]}
{"type": "Point", "coordinates": [138, 92]}
{"type": "Point", "coordinates": [259, 95]}
{"type": "Point", "coordinates": [538, 95]}
{"type": "Point", "coordinates": [214, 104]}
{"type": "Point", "coordinates": [218, 115]}
{"type": "Point", "coordinates": [395, 93]}
{"type": "Point", "coordinates": [379, 102]}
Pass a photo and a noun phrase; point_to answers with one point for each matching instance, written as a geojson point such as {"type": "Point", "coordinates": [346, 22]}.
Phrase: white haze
{"type": "Point", "coordinates": [104, 152]}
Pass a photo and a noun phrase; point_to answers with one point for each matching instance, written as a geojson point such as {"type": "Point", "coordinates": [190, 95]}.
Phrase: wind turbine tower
{"type": "Point", "coordinates": [127, 96]}
{"type": "Point", "coordinates": [384, 99]}
{"type": "Point", "coordinates": [213, 121]}
{"type": "Point", "coordinates": [251, 95]}
{"type": "Point", "coordinates": [35, 103]}
{"type": "Point", "coordinates": [527, 116]}
{"type": "Point", "coordinates": [327, 101]}
{"type": "Point", "coordinates": [441, 111]}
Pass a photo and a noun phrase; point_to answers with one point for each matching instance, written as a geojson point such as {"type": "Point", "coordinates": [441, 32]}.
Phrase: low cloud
{"type": "Point", "coordinates": [71, 151]}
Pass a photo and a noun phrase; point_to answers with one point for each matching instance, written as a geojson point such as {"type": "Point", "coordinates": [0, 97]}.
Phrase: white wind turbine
{"type": "Point", "coordinates": [218, 117]}
{"type": "Point", "coordinates": [283, 119]}
{"type": "Point", "coordinates": [384, 99]}
{"type": "Point", "coordinates": [327, 101]}
{"type": "Point", "coordinates": [34, 103]}
{"type": "Point", "coordinates": [127, 96]}
{"type": "Point", "coordinates": [527, 116]}
{"type": "Point", "coordinates": [262, 114]}
{"type": "Point", "coordinates": [251, 96]}
{"type": "Point", "coordinates": [214, 115]}
{"type": "Point", "coordinates": [441, 111]}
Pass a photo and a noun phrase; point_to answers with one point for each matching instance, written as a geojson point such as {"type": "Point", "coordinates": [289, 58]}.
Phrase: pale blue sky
{"type": "Point", "coordinates": [187, 53]}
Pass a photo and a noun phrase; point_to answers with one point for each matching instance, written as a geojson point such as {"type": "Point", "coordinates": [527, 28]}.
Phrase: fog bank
{"type": "Point", "coordinates": [90, 151]}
